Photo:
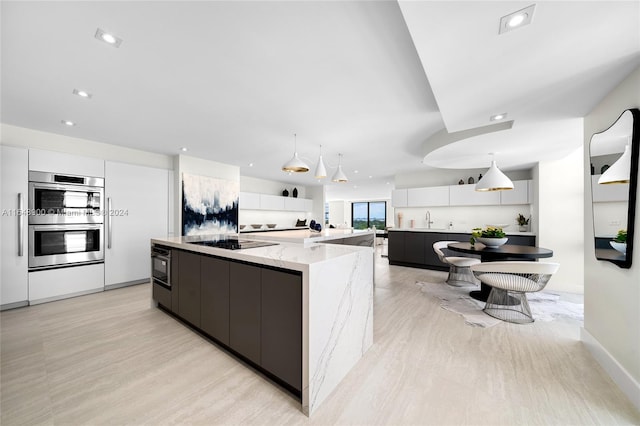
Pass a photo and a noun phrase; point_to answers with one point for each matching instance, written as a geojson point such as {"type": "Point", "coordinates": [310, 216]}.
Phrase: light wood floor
{"type": "Point", "coordinates": [110, 358]}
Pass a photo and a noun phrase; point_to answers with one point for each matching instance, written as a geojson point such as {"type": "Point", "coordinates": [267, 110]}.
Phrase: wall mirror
{"type": "Point", "coordinates": [614, 181]}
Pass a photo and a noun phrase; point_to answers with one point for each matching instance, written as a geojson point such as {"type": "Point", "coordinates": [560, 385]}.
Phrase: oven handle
{"type": "Point", "coordinates": [20, 225]}
{"type": "Point", "coordinates": [71, 227]}
{"type": "Point", "coordinates": [109, 222]}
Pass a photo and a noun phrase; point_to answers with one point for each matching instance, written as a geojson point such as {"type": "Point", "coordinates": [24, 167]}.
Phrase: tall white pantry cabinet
{"type": "Point", "coordinates": [14, 260]}
{"type": "Point", "coordinates": [137, 198]}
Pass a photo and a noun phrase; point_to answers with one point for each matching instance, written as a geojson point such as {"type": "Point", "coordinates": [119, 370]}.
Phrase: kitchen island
{"type": "Point", "coordinates": [301, 314]}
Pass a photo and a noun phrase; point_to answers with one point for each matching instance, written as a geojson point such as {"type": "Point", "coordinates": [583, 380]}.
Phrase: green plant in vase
{"type": "Point", "coordinates": [488, 232]}
{"type": "Point", "coordinates": [522, 221]}
{"type": "Point", "coordinates": [621, 237]}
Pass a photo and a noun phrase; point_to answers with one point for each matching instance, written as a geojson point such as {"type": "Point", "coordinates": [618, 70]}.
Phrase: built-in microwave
{"type": "Point", "coordinates": [161, 266]}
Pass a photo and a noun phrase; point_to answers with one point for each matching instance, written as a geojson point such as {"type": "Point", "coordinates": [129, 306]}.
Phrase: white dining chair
{"type": "Point", "coordinates": [510, 281]}
{"type": "Point", "coordinates": [459, 266]}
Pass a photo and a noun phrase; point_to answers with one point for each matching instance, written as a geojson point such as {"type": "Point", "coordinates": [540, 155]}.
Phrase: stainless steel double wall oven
{"type": "Point", "coordinates": [66, 220]}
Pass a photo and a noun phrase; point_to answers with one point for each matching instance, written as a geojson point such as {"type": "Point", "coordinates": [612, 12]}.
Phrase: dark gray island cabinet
{"type": "Point", "coordinates": [300, 314]}
{"type": "Point", "coordinates": [253, 310]}
{"type": "Point", "coordinates": [415, 248]}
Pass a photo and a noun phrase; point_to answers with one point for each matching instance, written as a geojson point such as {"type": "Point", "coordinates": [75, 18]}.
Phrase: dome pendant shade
{"type": "Point", "coordinates": [494, 180]}
{"type": "Point", "coordinates": [339, 176]}
{"type": "Point", "coordinates": [295, 165]}
{"type": "Point", "coordinates": [321, 170]}
{"type": "Point", "coordinates": [620, 171]}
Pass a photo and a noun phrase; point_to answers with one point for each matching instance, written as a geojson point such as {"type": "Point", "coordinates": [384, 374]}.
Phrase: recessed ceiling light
{"type": "Point", "coordinates": [82, 93]}
{"type": "Point", "coordinates": [387, 183]}
{"type": "Point", "coordinates": [355, 171]}
{"type": "Point", "coordinates": [108, 38]}
{"type": "Point", "coordinates": [370, 177]}
{"type": "Point", "coordinates": [68, 123]}
{"type": "Point", "coordinates": [498, 117]}
{"type": "Point", "coordinates": [250, 164]}
{"type": "Point", "coordinates": [516, 19]}
{"type": "Point", "coordinates": [184, 149]}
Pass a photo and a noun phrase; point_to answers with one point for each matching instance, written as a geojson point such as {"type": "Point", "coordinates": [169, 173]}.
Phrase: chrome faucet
{"type": "Point", "coordinates": [428, 218]}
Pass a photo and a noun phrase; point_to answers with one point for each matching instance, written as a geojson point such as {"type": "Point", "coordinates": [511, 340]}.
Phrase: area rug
{"type": "Point", "coordinates": [545, 306]}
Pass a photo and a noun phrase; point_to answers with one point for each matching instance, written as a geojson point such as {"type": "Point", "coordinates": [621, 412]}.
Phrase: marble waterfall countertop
{"type": "Point", "coordinates": [337, 301]}
{"type": "Point", "coordinates": [457, 231]}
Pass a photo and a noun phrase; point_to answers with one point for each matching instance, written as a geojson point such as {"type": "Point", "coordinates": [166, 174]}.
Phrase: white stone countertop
{"type": "Point", "coordinates": [285, 255]}
{"type": "Point", "coordinates": [306, 236]}
{"type": "Point", "coordinates": [456, 231]}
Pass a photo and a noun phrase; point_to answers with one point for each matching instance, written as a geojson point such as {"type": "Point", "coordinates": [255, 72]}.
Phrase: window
{"type": "Point", "coordinates": [368, 214]}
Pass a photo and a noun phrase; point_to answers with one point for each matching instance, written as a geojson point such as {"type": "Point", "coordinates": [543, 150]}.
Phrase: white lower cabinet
{"type": "Point", "coordinates": [13, 227]}
{"type": "Point", "coordinates": [54, 284]}
{"type": "Point", "coordinates": [138, 203]}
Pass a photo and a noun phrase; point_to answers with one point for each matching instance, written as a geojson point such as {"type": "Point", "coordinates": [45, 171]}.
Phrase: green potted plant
{"type": "Point", "coordinates": [620, 241]}
{"type": "Point", "coordinates": [491, 236]}
{"type": "Point", "coordinates": [522, 222]}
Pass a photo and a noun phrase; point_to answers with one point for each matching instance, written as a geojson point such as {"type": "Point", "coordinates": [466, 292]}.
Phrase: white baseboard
{"type": "Point", "coordinates": [617, 372]}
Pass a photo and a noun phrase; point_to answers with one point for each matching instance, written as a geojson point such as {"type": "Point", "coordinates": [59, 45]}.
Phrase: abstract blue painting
{"type": "Point", "coordinates": [209, 205]}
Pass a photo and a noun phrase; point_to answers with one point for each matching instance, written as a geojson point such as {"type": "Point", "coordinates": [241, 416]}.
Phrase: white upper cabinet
{"type": "Point", "coordinates": [254, 201]}
{"type": "Point", "coordinates": [610, 192]}
{"type": "Point", "coordinates": [428, 197]}
{"type": "Point", "coordinates": [399, 198]}
{"type": "Point", "coordinates": [58, 162]}
{"type": "Point", "coordinates": [249, 201]}
{"type": "Point", "coordinates": [14, 257]}
{"type": "Point", "coordinates": [294, 204]}
{"type": "Point", "coordinates": [466, 195]}
{"type": "Point", "coordinates": [271, 202]}
{"type": "Point", "coordinates": [518, 195]}
{"type": "Point", "coordinates": [139, 198]}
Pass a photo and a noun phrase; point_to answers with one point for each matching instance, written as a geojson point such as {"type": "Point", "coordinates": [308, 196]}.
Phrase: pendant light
{"type": "Point", "coordinates": [295, 164]}
{"type": "Point", "coordinates": [339, 175]}
{"type": "Point", "coordinates": [321, 170]}
{"type": "Point", "coordinates": [494, 179]}
{"type": "Point", "coordinates": [620, 171]}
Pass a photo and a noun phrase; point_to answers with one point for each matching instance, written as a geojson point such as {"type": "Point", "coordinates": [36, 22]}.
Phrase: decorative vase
{"type": "Point", "coordinates": [479, 177]}
{"type": "Point", "coordinates": [523, 228]}
{"type": "Point", "coordinates": [461, 182]}
{"type": "Point", "coordinates": [295, 192]}
{"type": "Point", "coordinates": [285, 193]}
{"type": "Point", "coordinates": [470, 181]}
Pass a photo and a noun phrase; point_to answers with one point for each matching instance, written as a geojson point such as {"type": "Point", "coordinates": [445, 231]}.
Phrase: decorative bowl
{"type": "Point", "coordinates": [271, 225]}
{"type": "Point", "coordinates": [242, 226]}
{"type": "Point", "coordinates": [492, 242]}
{"type": "Point", "coordinates": [256, 226]}
{"type": "Point", "coordinates": [621, 247]}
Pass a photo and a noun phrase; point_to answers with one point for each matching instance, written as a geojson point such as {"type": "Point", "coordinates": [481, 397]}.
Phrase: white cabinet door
{"type": "Point", "coordinates": [271, 202]}
{"type": "Point", "coordinates": [518, 195]}
{"type": "Point", "coordinates": [13, 227]}
{"type": "Point", "coordinates": [308, 205]}
{"type": "Point", "coordinates": [399, 198]}
{"type": "Point", "coordinates": [607, 193]}
{"type": "Point", "coordinates": [139, 211]}
{"type": "Point", "coordinates": [249, 201]}
{"type": "Point", "coordinates": [466, 195]}
{"type": "Point", "coordinates": [294, 204]}
{"type": "Point", "coordinates": [428, 197]}
{"type": "Point", "coordinates": [58, 162]}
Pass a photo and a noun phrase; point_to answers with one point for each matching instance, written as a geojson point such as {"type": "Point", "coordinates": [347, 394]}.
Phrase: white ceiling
{"type": "Point", "coordinates": [233, 81]}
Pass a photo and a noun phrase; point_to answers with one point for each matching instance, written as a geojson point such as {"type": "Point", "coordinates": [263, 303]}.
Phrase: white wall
{"type": "Point", "coordinates": [28, 138]}
{"type": "Point", "coordinates": [561, 219]}
{"type": "Point", "coordinates": [612, 294]}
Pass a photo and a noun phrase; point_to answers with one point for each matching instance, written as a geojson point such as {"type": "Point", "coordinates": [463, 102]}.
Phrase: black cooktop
{"type": "Point", "coordinates": [232, 243]}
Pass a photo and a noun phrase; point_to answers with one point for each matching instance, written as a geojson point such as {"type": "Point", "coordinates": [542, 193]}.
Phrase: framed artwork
{"type": "Point", "coordinates": [209, 205]}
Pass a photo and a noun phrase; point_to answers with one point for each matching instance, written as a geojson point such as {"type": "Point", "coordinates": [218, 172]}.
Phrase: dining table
{"type": "Point", "coordinates": [506, 252]}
